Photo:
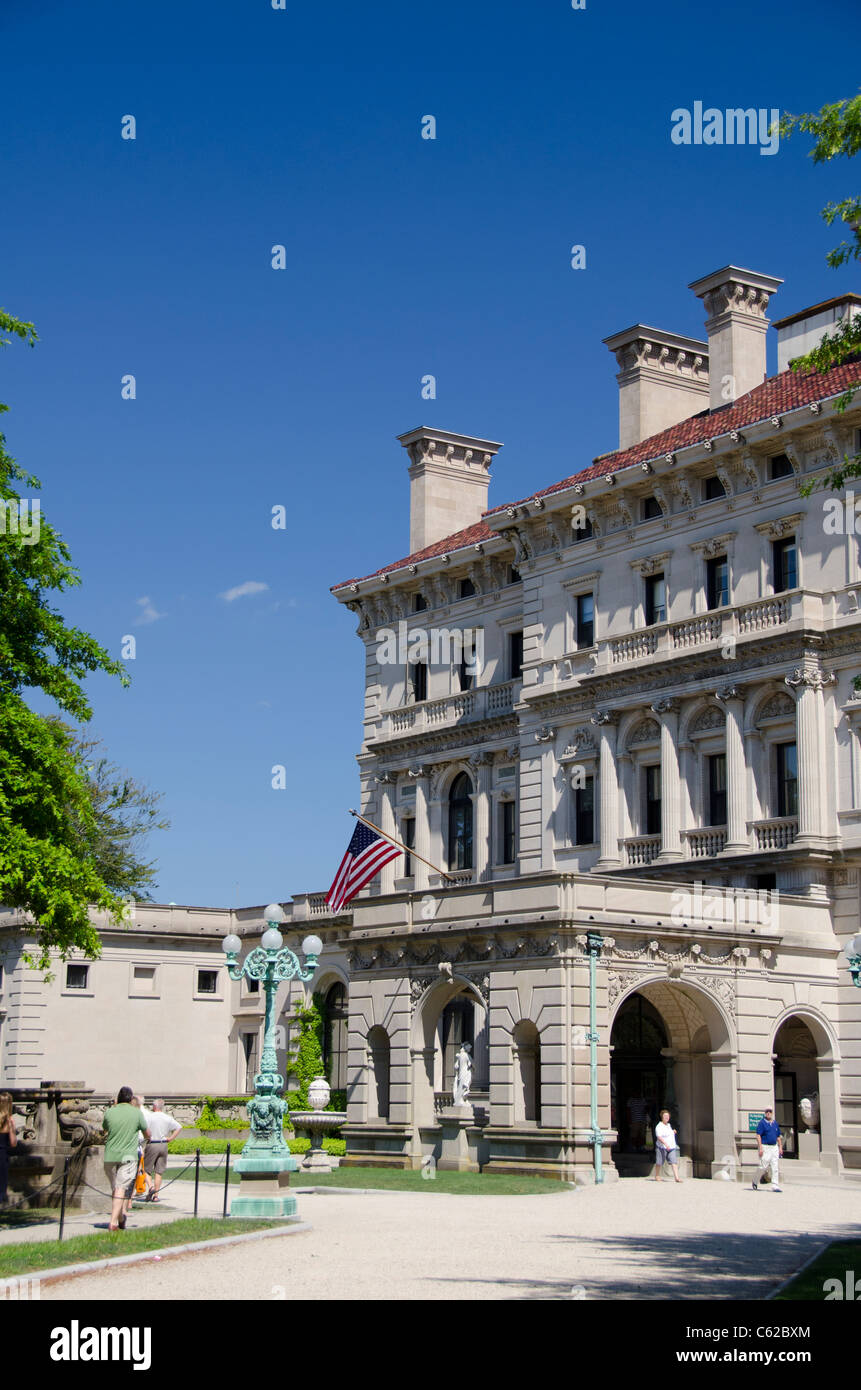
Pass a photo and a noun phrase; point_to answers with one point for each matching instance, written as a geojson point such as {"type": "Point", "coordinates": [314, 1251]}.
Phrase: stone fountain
{"type": "Point", "coordinates": [315, 1121]}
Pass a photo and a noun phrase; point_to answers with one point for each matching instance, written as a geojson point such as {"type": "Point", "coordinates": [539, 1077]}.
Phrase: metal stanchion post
{"type": "Point", "coordinates": [196, 1178]}
{"type": "Point", "coordinates": [63, 1198]}
{"type": "Point", "coordinates": [226, 1178]}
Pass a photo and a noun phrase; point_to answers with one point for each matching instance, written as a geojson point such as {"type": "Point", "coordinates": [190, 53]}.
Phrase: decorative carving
{"type": "Point", "coordinates": [722, 987]}
{"type": "Point", "coordinates": [779, 704]}
{"type": "Point", "coordinates": [545, 734]}
{"type": "Point", "coordinates": [667, 705]}
{"type": "Point", "coordinates": [811, 676]}
{"type": "Point", "coordinates": [709, 718]}
{"type": "Point", "coordinates": [647, 731]}
{"type": "Point", "coordinates": [620, 980]}
{"type": "Point", "coordinates": [604, 716]}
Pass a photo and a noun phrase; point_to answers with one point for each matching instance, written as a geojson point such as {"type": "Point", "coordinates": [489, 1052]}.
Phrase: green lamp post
{"type": "Point", "coordinates": [266, 1162]}
{"type": "Point", "coordinates": [594, 943]}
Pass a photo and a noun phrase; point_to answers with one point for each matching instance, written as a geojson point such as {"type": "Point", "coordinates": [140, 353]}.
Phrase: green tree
{"type": "Point", "coordinates": [837, 134]}
{"type": "Point", "coordinates": [53, 817]}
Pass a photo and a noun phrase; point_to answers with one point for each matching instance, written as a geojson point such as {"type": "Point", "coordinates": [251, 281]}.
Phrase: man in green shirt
{"type": "Point", "coordinates": [123, 1123]}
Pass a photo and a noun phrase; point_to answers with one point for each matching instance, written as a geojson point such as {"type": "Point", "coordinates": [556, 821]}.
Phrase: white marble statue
{"type": "Point", "coordinates": [462, 1074]}
{"type": "Point", "coordinates": [809, 1110]}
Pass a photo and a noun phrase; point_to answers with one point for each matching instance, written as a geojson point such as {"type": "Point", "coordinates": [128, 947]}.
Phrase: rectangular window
{"type": "Point", "coordinates": [712, 488]}
{"type": "Point", "coordinates": [787, 779]}
{"type": "Point", "coordinates": [784, 565]}
{"type": "Point", "coordinates": [515, 656]}
{"type": "Point", "coordinates": [409, 838]}
{"type": "Point", "coordinates": [508, 832]}
{"type": "Point", "coordinates": [77, 976]}
{"type": "Point", "coordinates": [466, 588]}
{"type": "Point", "coordinates": [717, 789]}
{"type": "Point", "coordinates": [717, 582]}
{"type": "Point", "coordinates": [583, 532]}
{"type": "Point", "coordinates": [656, 600]}
{"type": "Point", "coordinates": [419, 603]}
{"type": "Point", "coordinates": [584, 812]}
{"type": "Point", "coordinates": [207, 981]}
{"type": "Point", "coordinates": [585, 620]}
{"type": "Point", "coordinates": [466, 677]}
{"type": "Point", "coordinates": [513, 575]}
{"type": "Point", "coordinates": [652, 798]}
{"type": "Point", "coordinates": [251, 986]}
{"type": "Point", "coordinates": [779, 467]}
{"type": "Point", "coordinates": [651, 508]}
{"type": "Point", "coordinates": [419, 678]}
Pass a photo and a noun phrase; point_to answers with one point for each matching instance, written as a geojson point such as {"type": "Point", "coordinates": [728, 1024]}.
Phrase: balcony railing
{"type": "Point", "coordinates": [642, 849]}
{"type": "Point", "coordinates": [702, 844]}
{"type": "Point", "coordinates": [484, 702]}
{"type": "Point", "coordinates": [776, 833]}
{"type": "Point", "coordinates": [703, 628]}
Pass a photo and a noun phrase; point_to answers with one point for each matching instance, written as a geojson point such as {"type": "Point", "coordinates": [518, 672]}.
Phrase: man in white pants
{"type": "Point", "coordinates": [770, 1149]}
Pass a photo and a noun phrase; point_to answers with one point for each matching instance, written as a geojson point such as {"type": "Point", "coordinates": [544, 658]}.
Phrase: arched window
{"type": "Point", "coordinates": [378, 1081]}
{"type": "Point", "coordinates": [335, 1037]}
{"type": "Point", "coordinates": [460, 823]}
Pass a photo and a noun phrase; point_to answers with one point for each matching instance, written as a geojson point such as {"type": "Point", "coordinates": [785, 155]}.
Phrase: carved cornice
{"type": "Point", "coordinates": [780, 526]}
{"type": "Point", "coordinates": [811, 676]}
{"type": "Point", "coordinates": [651, 564]}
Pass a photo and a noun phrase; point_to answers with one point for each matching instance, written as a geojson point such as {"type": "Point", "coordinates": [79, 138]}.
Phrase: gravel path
{"type": "Point", "coordinates": [701, 1240]}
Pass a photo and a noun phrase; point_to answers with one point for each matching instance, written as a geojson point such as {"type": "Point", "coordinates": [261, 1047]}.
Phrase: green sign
{"type": "Point", "coordinates": [753, 1119]}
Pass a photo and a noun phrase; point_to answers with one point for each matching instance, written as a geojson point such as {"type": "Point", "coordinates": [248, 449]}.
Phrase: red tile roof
{"type": "Point", "coordinates": [787, 391]}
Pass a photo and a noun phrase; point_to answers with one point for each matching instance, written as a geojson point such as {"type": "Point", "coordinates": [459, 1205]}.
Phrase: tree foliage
{"type": "Point", "coordinates": [837, 134]}
{"type": "Point", "coordinates": [69, 825]}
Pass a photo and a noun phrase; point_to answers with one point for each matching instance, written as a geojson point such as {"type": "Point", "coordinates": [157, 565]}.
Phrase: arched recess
{"type": "Point", "coordinates": [806, 1061]}
{"type": "Point", "coordinates": [379, 1073]}
{"type": "Point", "coordinates": [426, 1049]}
{"type": "Point", "coordinates": [526, 1046]}
{"type": "Point", "coordinates": [693, 1076]}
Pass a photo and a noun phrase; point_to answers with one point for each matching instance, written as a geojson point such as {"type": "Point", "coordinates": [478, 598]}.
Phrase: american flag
{"type": "Point", "coordinates": [366, 853]}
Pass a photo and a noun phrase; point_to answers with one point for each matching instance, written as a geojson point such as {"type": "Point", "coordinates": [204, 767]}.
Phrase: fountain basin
{"type": "Point", "coordinates": [315, 1123]}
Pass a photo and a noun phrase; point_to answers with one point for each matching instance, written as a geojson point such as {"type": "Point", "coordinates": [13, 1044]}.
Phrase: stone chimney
{"type": "Point", "coordinates": [735, 301]}
{"type": "Point", "coordinates": [662, 378]}
{"type": "Point", "coordinates": [449, 478]}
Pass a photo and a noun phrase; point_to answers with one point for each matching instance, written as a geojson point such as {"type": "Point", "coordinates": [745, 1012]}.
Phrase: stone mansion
{"type": "Point", "coordinates": [621, 716]}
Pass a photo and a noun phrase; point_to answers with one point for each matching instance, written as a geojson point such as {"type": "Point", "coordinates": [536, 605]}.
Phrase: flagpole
{"type": "Point", "coordinates": [406, 849]}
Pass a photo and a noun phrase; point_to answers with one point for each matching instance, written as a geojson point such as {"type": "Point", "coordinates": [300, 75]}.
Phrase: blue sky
{"type": "Point", "coordinates": [405, 256]}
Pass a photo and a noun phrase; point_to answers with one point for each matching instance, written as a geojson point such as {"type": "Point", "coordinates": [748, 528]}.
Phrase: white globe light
{"type": "Point", "coordinates": [274, 913]}
{"type": "Point", "coordinates": [312, 946]}
{"type": "Point", "coordinates": [231, 945]}
{"type": "Point", "coordinates": [272, 940]}
{"type": "Point", "coordinates": [853, 947]}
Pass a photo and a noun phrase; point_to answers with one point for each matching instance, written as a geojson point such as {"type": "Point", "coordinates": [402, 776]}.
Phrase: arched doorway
{"type": "Point", "coordinates": [671, 1047]}
{"type": "Point", "coordinates": [796, 1077]}
{"type": "Point", "coordinates": [450, 1011]}
{"type": "Point", "coordinates": [637, 1080]}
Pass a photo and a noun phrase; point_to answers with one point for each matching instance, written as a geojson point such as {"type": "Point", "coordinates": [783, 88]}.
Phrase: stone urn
{"type": "Point", "coordinates": [315, 1121]}
{"type": "Point", "coordinates": [319, 1093]}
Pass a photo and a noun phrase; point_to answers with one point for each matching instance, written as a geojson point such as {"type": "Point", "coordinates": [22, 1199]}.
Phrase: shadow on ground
{"type": "Point", "coordinates": [690, 1267]}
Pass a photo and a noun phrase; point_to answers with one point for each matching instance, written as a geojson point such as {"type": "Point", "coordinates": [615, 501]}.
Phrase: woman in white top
{"type": "Point", "coordinates": [666, 1148]}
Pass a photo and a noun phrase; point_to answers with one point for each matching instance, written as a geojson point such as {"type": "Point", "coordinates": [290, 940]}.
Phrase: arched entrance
{"type": "Point", "coordinates": [671, 1048]}
{"type": "Point", "coordinates": [637, 1081]}
{"type": "Point", "coordinates": [805, 1100]}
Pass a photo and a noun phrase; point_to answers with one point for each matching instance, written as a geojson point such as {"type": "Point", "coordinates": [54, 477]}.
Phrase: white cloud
{"type": "Point", "coordinates": [148, 613]}
{"type": "Point", "coordinates": [251, 586]}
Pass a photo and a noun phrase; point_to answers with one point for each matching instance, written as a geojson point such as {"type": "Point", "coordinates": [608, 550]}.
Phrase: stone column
{"type": "Point", "coordinates": [808, 681]}
{"type": "Point", "coordinates": [388, 825]}
{"type": "Point", "coordinates": [608, 789]}
{"type": "Point", "coordinates": [481, 764]}
{"type": "Point", "coordinates": [671, 843]}
{"type": "Point", "coordinates": [723, 1111]}
{"type": "Point", "coordinates": [737, 839]}
{"type": "Point", "coordinates": [420, 775]}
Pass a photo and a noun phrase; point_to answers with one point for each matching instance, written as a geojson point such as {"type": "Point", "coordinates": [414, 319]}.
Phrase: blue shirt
{"type": "Point", "coordinates": [768, 1130]}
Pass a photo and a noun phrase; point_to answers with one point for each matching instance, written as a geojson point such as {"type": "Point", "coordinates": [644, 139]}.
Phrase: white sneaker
{"type": "Point", "coordinates": [777, 1189]}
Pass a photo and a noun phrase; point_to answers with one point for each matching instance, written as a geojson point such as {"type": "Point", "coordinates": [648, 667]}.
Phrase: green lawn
{"type": "Point", "coordinates": [833, 1263]}
{"type": "Point", "coordinates": [50, 1254]}
{"type": "Point", "coordinates": [403, 1180]}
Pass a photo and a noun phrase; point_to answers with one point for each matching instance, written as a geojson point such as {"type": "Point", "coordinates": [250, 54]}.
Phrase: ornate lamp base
{"type": "Point", "coordinates": [263, 1190]}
